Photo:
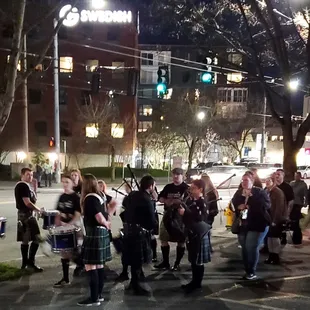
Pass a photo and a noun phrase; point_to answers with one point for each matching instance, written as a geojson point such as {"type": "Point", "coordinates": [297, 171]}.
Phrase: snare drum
{"type": "Point", "coordinates": [2, 227]}
{"type": "Point", "coordinates": [49, 219]}
{"type": "Point", "coordinates": [63, 238]}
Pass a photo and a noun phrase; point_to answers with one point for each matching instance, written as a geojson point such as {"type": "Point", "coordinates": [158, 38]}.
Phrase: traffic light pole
{"type": "Point", "coordinates": [56, 105]}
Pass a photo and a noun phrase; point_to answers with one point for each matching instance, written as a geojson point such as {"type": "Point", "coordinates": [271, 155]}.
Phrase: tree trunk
{"type": "Point", "coordinates": [7, 99]}
{"type": "Point", "coordinates": [112, 163]}
{"type": "Point", "coordinates": [290, 152]}
{"type": "Point", "coordinates": [164, 163]}
{"type": "Point", "coordinates": [191, 152]}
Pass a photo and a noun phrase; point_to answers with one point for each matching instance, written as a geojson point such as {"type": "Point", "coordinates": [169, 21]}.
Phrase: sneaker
{"type": "Point", "coordinates": [61, 283]}
{"type": "Point", "coordinates": [251, 276]}
{"type": "Point", "coordinates": [176, 268]}
{"type": "Point", "coordinates": [101, 298]}
{"type": "Point", "coordinates": [88, 303]}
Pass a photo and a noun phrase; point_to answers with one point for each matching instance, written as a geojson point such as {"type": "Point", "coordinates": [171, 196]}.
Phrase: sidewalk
{"type": "Point", "coordinates": [222, 287]}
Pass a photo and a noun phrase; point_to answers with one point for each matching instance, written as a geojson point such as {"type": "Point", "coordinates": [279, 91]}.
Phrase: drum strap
{"type": "Point", "coordinates": [95, 195]}
{"type": "Point", "coordinates": [28, 186]}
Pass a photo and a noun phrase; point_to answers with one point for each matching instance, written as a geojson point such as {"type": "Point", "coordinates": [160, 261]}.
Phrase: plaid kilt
{"type": "Point", "coordinates": [96, 246]}
{"type": "Point", "coordinates": [199, 251]}
{"type": "Point", "coordinates": [27, 227]}
{"type": "Point", "coordinates": [137, 249]}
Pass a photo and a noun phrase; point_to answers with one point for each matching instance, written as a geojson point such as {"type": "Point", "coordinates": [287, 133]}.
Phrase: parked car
{"type": "Point", "coordinates": [200, 169]}
{"type": "Point", "coordinates": [305, 171]}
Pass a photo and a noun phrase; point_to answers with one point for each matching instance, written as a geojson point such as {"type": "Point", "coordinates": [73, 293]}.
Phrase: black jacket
{"type": "Point", "coordinates": [258, 217]}
{"type": "Point", "coordinates": [139, 209]}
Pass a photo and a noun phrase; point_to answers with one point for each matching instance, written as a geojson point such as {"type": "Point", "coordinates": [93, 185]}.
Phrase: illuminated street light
{"type": "Point", "coordinates": [201, 115]}
{"type": "Point", "coordinates": [98, 4]}
{"type": "Point", "coordinates": [293, 85]}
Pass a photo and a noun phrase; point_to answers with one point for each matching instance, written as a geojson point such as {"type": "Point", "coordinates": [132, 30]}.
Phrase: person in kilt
{"type": "Point", "coordinates": [27, 225]}
{"type": "Point", "coordinates": [139, 220]}
{"type": "Point", "coordinates": [172, 196]}
{"type": "Point", "coordinates": [96, 244]}
{"type": "Point", "coordinates": [69, 208]}
{"type": "Point", "coordinates": [195, 217]}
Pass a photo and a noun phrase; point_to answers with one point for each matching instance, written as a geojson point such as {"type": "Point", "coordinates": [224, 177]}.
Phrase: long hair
{"type": "Point", "coordinates": [210, 188]}
{"type": "Point", "coordinates": [90, 186]}
{"type": "Point", "coordinates": [77, 171]}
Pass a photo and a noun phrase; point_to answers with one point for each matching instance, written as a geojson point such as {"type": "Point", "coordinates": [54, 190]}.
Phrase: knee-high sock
{"type": "Point", "coordinates": [65, 269]}
{"type": "Point", "coordinates": [165, 251]}
{"type": "Point", "coordinates": [100, 280]}
{"type": "Point", "coordinates": [180, 254]}
{"type": "Point", "coordinates": [154, 247]}
{"type": "Point", "coordinates": [93, 284]}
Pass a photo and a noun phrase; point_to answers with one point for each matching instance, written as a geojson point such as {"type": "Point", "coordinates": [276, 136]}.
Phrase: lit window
{"type": "Point", "coordinates": [281, 138]}
{"type": "Point", "coordinates": [235, 59]}
{"type": "Point", "coordinates": [117, 130]}
{"type": "Point", "coordinates": [66, 64]}
{"type": "Point", "coordinates": [169, 94]}
{"type": "Point", "coordinates": [274, 138]}
{"type": "Point", "coordinates": [91, 65]}
{"type": "Point", "coordinates": [19, 63]}
{"type": "Point", "coordinates": [147, 110]}
{"type": "Point", "coordinates": [144, 126]}
{"type": "Point", "coordinates": [92, 130]}
{"type": "Point", "coordinates": [234, 77]}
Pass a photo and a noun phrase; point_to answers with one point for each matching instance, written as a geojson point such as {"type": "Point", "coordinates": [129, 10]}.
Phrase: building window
{"type": "Point", "coordinates": [240, 95]}
{"type": "Point", "coordinates": [85, 97]}
{"type": "Point", "coordinates": [232, 95]}
{"type": "Point", "coordinates": [144, 126]}
{"type": "Point", "coordinates": [147, 59]}
{"type": "Point", "coordinates": [34, 96]}
{"type": "Point", "coordinates": [118, 69]}
{"type": "Point", "coordinates": [146, 93]}
{"type": "Point", "coordinates": [145, 110]}
{"type": "Point", "coordinates": [274, 138]}
{"type": "Point", "coordinates": [234, 78]}
{"type": "Point", "coordinates": [19, 67]}
{"type": "Point", "coordinates": [64, 130]}
{"type": "Point", "coordinates": [117, 130]}
{"type": "Point", "coordinates": [148, 77]}
{"type": "Point", "coordinates": [66, 64]}
{"type": "Point", "coordinates": [91, 65]}
{"type": "Point", "coordinates": [235, 59]}
{"type": "Point", "coordinates": [92, 130]}
{"type": "Point", "coordinates": [63, 96]}
{"type": "Point", "coordinates": [40, 128]}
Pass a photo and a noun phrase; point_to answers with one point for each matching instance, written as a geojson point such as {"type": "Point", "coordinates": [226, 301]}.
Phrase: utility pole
{"type": "Point", "coordinates": [263, 148]}
{"type": "Point", "coordinates": [25, 138]}
{"type": "Point", "coordinates": [56, 104]}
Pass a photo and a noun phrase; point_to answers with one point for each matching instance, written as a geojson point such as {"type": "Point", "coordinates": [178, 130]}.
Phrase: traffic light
{"type": "Point", "coordinates": [207, 77]}
{"type": "Point", "coordinates": [96, 82]}
{"type": "Point", "coordinates": [162, 81]}
{"type": "Point", "coordinates": [52, 142]}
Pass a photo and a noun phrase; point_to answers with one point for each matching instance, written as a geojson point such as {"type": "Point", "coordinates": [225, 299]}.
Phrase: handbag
{"type": "Point", "coordinates": [235, 227]}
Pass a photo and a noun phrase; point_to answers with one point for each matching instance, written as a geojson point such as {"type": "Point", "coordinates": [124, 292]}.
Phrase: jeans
{"type": "Point", "coordinates": [250, 242]}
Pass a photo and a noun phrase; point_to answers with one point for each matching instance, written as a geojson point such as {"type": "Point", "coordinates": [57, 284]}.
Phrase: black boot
{"type": "Point", "coordinates": [165, 263]}
{"type": "Point", "coordinates": [197, 276]}
{"type": "Point", "coordinates": [154, 250]}
{"type": "Point", "coordinates": [134, 284]}
{"type": "Point", "coordinates": [24, 250]}
{"type": "Point", "coordinates": [180, 254]}
{"type": "Point", "coordinates": [32, 253]}
{"type": "Point", "coordinates": [124, 274]}
{"type": "Point", "coordinates": [65, 271]}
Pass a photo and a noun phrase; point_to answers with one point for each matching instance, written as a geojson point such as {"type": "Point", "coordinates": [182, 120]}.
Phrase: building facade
{"type": "Point", "coordinates": [92, 42]}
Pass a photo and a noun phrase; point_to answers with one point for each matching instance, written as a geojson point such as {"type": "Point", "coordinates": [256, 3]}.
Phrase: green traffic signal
{"type": "Point", "coordinates": [161, 88]}
{"type": "Point", "coordinates": [207, 77]}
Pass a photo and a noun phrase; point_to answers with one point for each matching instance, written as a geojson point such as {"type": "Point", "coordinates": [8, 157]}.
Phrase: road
{"type": "Point", "coordinates": [47, 198]}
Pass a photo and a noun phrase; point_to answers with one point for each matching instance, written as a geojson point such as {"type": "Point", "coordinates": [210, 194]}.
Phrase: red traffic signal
{"type": "Point", "coordinates": [52, 142]}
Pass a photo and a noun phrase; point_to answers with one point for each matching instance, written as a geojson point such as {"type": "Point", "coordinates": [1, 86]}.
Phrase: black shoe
{"type": "Point", "coordinates": [251, 277]}
{"type": "Point", "coordinates": [162, 265]}
{"type": "Point", "coordinates": [154, 260]}
{"type": "Point", "coordinates": [190, 287]}
{"type": "Point", "coordinates": [61, 283]}
{"type": "Point", "coordinates": [35, 268]}
{"type": "Point", "coordinates": [24, 266]}
{"type": "Point", "coordinates": [176, 268]}
{"type": "Point", "coordinates": [88, 303]}
{"type": "Point", "coordinates": [122, 277]}
{"type": "Point", "coordinates": [78, 271]}
{"type": "Point", "coordinates": [140, 291]}
{"type": "Point", "coordinates": [268, 261]}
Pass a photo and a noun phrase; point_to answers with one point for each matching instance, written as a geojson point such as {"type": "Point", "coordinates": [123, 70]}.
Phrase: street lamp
{"type": "Point", "coordinates": [201, 115]}
{"type": "Point", "coordinates": [293, 85]}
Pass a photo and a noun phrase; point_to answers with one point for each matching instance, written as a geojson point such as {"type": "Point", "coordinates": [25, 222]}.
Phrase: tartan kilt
{"type": "Point", "coordinates": [27, 227]}
{"type": "Point", "coordinates": [199, 251]}
{"type": "Point", "coordinates": [137, 249]}
{"type": "Point", "coordinates": [96, 246]}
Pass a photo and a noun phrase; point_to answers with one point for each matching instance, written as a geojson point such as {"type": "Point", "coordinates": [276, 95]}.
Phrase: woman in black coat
{"type": "Point", "coordinates": [252, 206]}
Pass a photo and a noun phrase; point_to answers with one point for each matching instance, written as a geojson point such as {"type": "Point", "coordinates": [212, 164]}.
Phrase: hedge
{"type": "Point", "coordinates": [105, 172]}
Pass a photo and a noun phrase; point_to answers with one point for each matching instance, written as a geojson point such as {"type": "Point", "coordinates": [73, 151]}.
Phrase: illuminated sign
{"type": "Point", "coordinates": [93, 16]}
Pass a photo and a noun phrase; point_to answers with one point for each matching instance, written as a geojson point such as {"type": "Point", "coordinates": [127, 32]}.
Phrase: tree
{"type": "Point", "coordinates": [273, 37]}
{"type": "Point", "coordinates": [109, 129]}
{"type": "Point", "coordinates": [182, 119]}
{"type": "Point", "coordinates": [15, 12]}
